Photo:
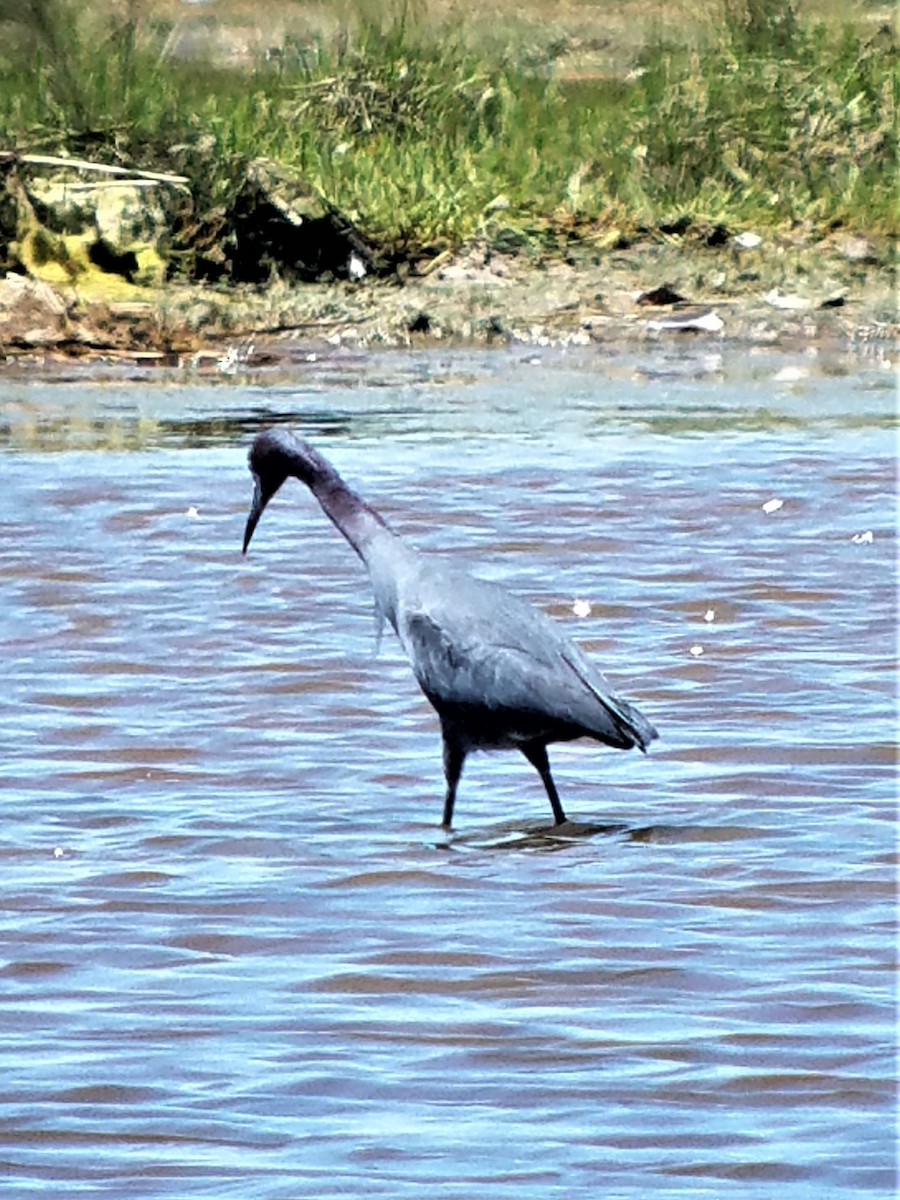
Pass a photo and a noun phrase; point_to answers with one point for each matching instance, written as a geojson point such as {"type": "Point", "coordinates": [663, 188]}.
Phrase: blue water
{"type": "Point", "coordinates": [239, 956]}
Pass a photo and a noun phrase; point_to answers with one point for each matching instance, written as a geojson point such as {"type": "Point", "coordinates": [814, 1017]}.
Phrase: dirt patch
{"type": "Point", "coordinates": [765, 293]}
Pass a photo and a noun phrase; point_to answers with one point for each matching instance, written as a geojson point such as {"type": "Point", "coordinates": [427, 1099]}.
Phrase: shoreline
{"type": "Point", "coordinates": [840, 291]}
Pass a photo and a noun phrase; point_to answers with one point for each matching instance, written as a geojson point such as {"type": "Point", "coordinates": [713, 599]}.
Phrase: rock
{"type": "Point", "coordinates": [493, 329]}
{"type": "Point", "coordinates": [717, 236]}
{"type": "Point", "coordinates": [32, 313]}
{"type": "Point", "coordinates": [18, 293]}
{"type": "Point", "coordinates": [676, 228]}
{"type": "Point", "coordinates": [660, 296]}
{"type": "Point", "coordinates": [420, 323]}
{"type": "Point", "coordinates": [282, 228]}
{"type": "Point", "coordinates": [469, 270]}
{"type": "Point", "coordinates": [71, 231]}
{"type": "Point", "coordinates": [856, 249]}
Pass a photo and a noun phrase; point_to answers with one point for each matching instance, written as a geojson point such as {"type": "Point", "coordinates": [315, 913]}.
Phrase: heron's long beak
{"type": "Point", "coordinates": [257, 508]}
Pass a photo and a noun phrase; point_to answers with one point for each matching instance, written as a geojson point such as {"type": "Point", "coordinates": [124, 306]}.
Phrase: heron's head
{"type": "Point", "coordinates": [274, 455]}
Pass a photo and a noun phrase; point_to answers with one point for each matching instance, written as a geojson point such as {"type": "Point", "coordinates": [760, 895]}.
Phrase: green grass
{"type": "Point", "coordinates": [424, 141]}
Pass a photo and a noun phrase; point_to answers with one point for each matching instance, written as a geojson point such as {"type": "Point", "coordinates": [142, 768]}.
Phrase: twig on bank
{"type": "Point", "coordinates": [82, 164]}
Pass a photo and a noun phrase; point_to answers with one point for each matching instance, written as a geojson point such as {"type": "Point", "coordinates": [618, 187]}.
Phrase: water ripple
{"type": "Point", "coordinates": [240, 958]}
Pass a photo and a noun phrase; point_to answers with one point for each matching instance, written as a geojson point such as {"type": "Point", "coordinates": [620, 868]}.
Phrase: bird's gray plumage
{"type": "Point", "coordinates": [499, 672]}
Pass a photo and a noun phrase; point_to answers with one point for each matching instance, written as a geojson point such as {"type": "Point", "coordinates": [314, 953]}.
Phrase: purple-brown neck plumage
{"type": "Point", "coordinates": [356, 520]}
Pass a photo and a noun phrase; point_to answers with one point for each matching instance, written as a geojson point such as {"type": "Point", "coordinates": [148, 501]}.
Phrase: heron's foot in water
{"type": "Point", "coordinates": [531, 835]}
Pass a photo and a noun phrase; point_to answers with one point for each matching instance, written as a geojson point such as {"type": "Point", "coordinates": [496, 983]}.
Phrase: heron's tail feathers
{"type": "Point", "coordinates": [633, 725]}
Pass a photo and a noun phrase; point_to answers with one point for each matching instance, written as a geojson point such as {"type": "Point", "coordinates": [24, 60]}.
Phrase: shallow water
{"type": "Point", "coordinates": [240, 958]}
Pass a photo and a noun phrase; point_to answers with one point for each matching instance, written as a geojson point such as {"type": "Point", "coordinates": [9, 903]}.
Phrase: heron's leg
{"type": "Point", "coordinates": [536, 753]}
{"type": "Point", "coordinates": [454, 757]}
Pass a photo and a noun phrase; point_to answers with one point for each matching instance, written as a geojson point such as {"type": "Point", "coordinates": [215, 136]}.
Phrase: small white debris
{"type": "Point", "coordinates": [356, 267]}
{"type": "Point", "coordinates": [581, 608]}
{"type": "Point", "coordinates": [771, 506]}
{"type": "Point", "coordinates": [863, 539]}
{"type": "Point", "coordinates": [192, 512]}
{"type": "Point", "coordinates": [228, 363]}
{"type": "Point", "coordinates": [747, 240]}
{"type": "Point", "coordinates": [58, 852]}
{"type": "Point", "coordinates": [709, 322]}
{"type": "Point", "coordinates": [688, 322]}
{"type": "Point", "coordinates": [790, 303]}
{"type": "Point", "coordinates": [710, 615]}
{"type": "Point", "coordinates": [696, 651]}
{"type": "Point", "coordinates": [234, 357]}
{"type": "Point", "coordinates": [791, 374]}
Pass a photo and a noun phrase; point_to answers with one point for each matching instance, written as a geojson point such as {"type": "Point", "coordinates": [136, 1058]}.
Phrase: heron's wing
{"type": "Point", "coordinates": [474, 645]}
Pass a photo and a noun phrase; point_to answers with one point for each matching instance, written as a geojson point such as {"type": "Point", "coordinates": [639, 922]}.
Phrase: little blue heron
{"type": "Point", "coordinates": [499, 673]}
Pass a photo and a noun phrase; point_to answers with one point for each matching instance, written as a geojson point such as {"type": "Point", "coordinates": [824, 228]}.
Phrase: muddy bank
{"type": "Point", "coordinates": [767, 294]}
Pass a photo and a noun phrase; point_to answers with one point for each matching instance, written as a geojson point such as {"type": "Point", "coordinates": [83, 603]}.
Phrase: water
{"type": "Point", "coordinates": [240, 958]}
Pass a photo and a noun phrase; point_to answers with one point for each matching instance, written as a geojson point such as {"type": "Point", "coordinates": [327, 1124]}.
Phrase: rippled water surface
{"type": "Point", "coordinates": [240, 958]}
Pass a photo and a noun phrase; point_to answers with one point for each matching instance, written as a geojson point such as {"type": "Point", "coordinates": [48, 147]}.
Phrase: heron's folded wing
{"type": "Point", "coordinates": [519, 664]}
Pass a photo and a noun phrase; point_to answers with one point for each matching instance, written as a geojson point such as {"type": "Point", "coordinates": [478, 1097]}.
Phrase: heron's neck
{"type": "Point", "coordinates": [360, 524]}
{"type": "Point", "coordinates": [364, 528]}
{"type": "Point", "coordinates": [387, 558]}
